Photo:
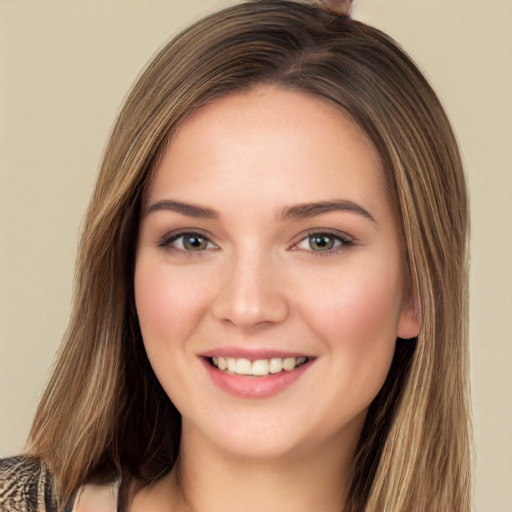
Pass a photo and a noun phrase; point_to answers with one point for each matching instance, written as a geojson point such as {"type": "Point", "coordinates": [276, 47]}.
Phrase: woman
{"type": "Point", "coordinates": [270, 308]}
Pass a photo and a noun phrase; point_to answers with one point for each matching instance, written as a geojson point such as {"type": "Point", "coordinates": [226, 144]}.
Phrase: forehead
{"type": "Point", "coordinates": [274, 142]}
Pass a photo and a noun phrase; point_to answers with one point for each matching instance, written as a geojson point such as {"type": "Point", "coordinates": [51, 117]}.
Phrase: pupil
{"type": "Point", "coordinates": [194, 242]}
{"type": "Point", "coordinates": [322, 243]}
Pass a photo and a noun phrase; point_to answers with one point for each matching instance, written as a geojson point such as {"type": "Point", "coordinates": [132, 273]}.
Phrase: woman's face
{"type": "Point", "coordinates": [268, 245]}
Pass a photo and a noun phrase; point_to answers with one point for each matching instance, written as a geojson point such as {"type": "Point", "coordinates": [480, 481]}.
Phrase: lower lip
{"type": "Point", "coordinates": [242, 386]}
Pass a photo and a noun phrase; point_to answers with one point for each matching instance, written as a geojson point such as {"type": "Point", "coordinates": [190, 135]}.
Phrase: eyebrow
{"type": "Point", "coordinates": [305, 210]}
{"type": "Point", "coordinates": [298, 211]}
{"type": "Point", "coordinates": [190, 210]}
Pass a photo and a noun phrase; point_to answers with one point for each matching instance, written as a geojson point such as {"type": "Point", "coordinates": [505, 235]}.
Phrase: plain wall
{"type": "Point", "coordinates": [64, 69]}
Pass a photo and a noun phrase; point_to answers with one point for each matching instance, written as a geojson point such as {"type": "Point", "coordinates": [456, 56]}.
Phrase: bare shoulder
{"type": "Point", "coordinates": [96, 498]}
{"type": "Point", "coordinates": [25, 485]}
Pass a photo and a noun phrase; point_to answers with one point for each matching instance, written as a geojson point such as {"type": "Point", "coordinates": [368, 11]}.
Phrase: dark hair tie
{"type": "Point", "coordinates": [339, 7]}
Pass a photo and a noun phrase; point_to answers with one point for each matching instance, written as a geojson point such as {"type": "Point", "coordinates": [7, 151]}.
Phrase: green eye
{"type": "Point", "coordinates": [187, 242]}
{"type": "Point", "coordinates": [192, 242]}
{"type": "Point", "coordinates": [322, 242]}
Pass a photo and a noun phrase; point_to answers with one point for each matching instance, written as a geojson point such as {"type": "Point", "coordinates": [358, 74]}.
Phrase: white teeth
{"type": "Point", "coordinates": [276, 365]}
{"type": "Point", "coordinates": [243, 366]}
{"type": "Point", "coordinates": [231, 364]}
{"type": "Point", "coordinates": [289, 363]}
{"type": "Point", "coordinates": [260, 367]}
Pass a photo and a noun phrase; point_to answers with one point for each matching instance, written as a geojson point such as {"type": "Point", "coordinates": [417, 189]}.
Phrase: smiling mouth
{"type": "Point", "coordinates": [259, 367]}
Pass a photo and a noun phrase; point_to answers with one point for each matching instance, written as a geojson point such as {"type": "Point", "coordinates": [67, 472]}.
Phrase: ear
{"type": "Point", "coordinates": [409, 319]}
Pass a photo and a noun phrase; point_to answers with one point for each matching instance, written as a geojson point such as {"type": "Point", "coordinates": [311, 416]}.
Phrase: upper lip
{"type": "Point", "coordinates": [251, 353]}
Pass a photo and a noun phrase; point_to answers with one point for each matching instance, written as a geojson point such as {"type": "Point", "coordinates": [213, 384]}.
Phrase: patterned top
{"type": "Point", "coordinates": [26, 486]}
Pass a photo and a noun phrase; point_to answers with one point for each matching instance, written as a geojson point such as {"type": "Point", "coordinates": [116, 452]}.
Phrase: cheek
{"type": "Point", "coordinates": [357, 320]}
{"type": "Point", "coordinates": [169, 307]}
{"type": "Point", "coordinates": [361, 300]}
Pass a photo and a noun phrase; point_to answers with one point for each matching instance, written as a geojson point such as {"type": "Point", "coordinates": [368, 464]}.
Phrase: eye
{"type": "Point", "coordinates": [323, 242]}
{"type": "Point", "coordinates": [188, 242]}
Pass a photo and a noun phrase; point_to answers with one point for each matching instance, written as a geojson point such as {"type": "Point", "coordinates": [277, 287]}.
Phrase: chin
{"type": "Point", "coordinates": [270, 438]}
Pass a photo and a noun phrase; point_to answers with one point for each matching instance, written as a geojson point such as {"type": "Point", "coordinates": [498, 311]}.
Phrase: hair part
{"type": "Point", "coordinates": [104, 415]}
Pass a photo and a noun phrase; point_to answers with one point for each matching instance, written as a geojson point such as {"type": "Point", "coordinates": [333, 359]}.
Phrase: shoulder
{"type": "Point", "coordinates": [97, 498]}
{"type": "Point", "coordinates": [25, 485]}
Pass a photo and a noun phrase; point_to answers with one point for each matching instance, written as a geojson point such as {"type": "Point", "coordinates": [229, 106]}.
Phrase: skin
{"type": "Point", "coordinates": [258, 280]}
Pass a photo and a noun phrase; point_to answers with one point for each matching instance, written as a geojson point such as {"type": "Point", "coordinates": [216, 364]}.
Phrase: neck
{"type": "Point", "coordinates": [206, 480]}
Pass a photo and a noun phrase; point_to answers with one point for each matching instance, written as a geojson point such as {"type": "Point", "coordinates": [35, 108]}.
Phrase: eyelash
{"type": "Point", "coordinates": [169, 239]}
{"type": "Point", "coordinates": [341, 241]}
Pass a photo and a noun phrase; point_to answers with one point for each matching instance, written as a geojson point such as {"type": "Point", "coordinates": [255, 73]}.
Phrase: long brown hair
{"type": "Point", "coordinates": [104, 415]}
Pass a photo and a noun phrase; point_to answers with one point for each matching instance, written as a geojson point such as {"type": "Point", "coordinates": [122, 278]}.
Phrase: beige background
{"type": "Point", "coordinates": [64, 68]}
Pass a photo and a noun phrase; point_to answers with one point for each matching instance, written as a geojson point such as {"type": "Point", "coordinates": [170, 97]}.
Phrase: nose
{"type": "Point", "coordinates": [251, 294]}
